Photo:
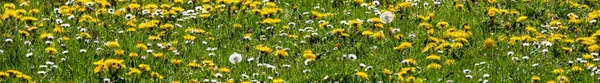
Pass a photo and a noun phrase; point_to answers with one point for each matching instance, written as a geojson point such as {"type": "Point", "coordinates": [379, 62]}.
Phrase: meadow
{"type": "Point", "coordinates": [299, 41]}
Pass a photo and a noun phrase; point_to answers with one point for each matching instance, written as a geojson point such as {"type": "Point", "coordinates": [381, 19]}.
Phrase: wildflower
{"type": "Point", "coordinates": [141, 46]}
{"type": "Point", "coordinates": [156, 75]}
{"type": "Point", "coordinates": [235, 58]}
{"type": "Point", "coordinates": [403, 45]}
{"type": "Point", "coordinates": [433, 57]}
{"type": "Point", "coordinates": [108, 63]}
{"type": "Point", "coordinates": [593, 48]}
{"type": "Point", "coordinates": [387, 72]}
{"type": "Point", "coordinates": [503, 11]}
{"type": "Point", "coordinates": [175, 61]}
{"type": "Point", "coordinates": [323, 24]}
{"type": "Point", "coordinates": [362, 75]}
{"type": "Point", "coordinates": [521, 18]}
{"type": "Point", "coordinates": [588, 56]}
{"type": "Point", "coordinates": [271, 21]}
{"type": "Point", "coordinates": [278, 80]}
{"type": "Point", "coordinates": [178, 1]}
{"type": "Point", "coordinates": [23, 76]}
{"type": "Point", "coordinates": [409, 61]}
{"type": "Point", "coordinates": [491, 12]}
{"type": "Point", "coordinates": [456, 45]}
{"type": "Point", "coordinates": [558, 71]}
{"type": "Point", "coordinates": [562, 79]}
{"type": "Point", "coordinates": [46, 36]}
{"type": "Point", "coordinates": [237, 26]}
{"type": "Point", "coordinates": [154, 38]}
{"type": "Point", "coordinates": [281, 53]}
{"type": "Point", "coordinates": [386, 17]}
{"type": "Point", "coordinates": [576, 68]}
{"type": "Point", "coordinates": [352, 56]}
{"type": "Point", "coordinates": [194, 65]}
{"type": "Point", "coordinates": [144, 67]}
{"type": "Point", "coordinates": [134, 71]}
{"type": "Point", "coordinates": [489, 43]}
{"type": "Point", "coordinates": [308, 54]}
{"type": "Point", "coordinates": [112, 44]}
{"type": "Point", "coordinates": [337, 31]}
{"type": "Point", "coordinates": [224, 70]}
{"type": "Point", "coordinates": [264, 49]}
{"type": "Point", "coordinates": [442, 24]}
{"type": "Point", "coordinates": [4, 74]}
{"type": "Point", "coordinates": [403, 5]}
{"type": "Point", "coordinates": [459, 6]}
{"type": "Point", "coordinates": [51, 50]}
{"type": "Point", "coordinates": [189, 37]}
{"type": "Point", "coordinates": [355, 23]}
{"type": "Point", "coordinates": [157, 54]}
{"type": "Point", "coordinates": [535, 78]}
{"type": "Point", "coordinates": [434, 66]}
{"type": "Point", "coordinates": [133, 54]}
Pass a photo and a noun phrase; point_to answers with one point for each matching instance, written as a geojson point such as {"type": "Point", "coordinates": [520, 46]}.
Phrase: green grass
{"type": "Point", "coordinates": [77, 66]}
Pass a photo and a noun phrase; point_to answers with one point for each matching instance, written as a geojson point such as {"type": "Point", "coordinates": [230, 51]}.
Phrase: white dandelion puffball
{"type": "Point", "coordinates": [386, 17]}
{"type": "Point", "coordinates": [235, 58]}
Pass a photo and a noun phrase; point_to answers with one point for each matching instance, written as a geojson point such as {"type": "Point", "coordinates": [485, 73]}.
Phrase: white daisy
{"type": "Point", "coordinates": [352, 57]}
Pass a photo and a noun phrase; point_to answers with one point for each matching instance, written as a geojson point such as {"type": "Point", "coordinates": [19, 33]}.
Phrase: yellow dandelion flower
{"type": "Point", "coordinates": [450, 61]}
{"type": "Point", "coordinates": [144, 67]}
{"type": "Point", "coordinates": [433, 57]}
{"type": "Point", "coordinates": [337, 31]}
{"type": "Point", "coordinates": [491, 1]}
{"type": "Point", "coordinates": [459, 6]}
{"type": "Point", "coordinates": [588, 56]}
{"type": "Point", "coordinates": [593, 48]}
{"type": "Point", "coordinates": [189, 37]}
{"type": "Point", "coordinates": [175, 61]}
{"type": "Point", "coordinates": [308, 54]}
{"type": "Point", "coordinates": [157, 54]}
{"type": "Point", "coordinates": [112, 44]}
{"type": "Point", "coordinates": [194, 65]}
{"type": "Point", "coordinates": [281, 53]}
{"type": "Point", "coordinates": [4, 74]}
{"type": "Point", "coordinates": [442, 24]}
{"type": "Point", "coordinates": [387, 72]}
{"type": "Point", "coordinates": [489, 43]}
{"type": "Point", "coordinates": [403, 45]}
{"type": "Point", "coordinates": [237, 26]}
{"type": "Point", "coordinates": [410, 61]}
{"type": "Point", "coordinates": [535, 78]}
{"type": "Point", "coordinates": [456, 45]}
{"type": "Point", "coordinates": [46, 36]}
{"type": "Point", "coordinates": [263, 49]}
{"type": "Point", "coordinates": [119, 52]}
{"type": "Point", "coordinates": [378, 35]}
{"type": "Point", "coordinates": [278, 80]}
{"type": "Point", "coordinates": [134, 71]}
{"type": "Point", "coordinates": [178, 1]}
{"type": "Point", "coordinates": [51, 50]}
{"type": "Point", "coordinates": [521, 18]}
{"type": "Point", "coordinates": [562, 79]}
{"type": "Point", "coordinates": [434, 66]}
{"type": "Point", "coordinates": [133, 54]}
{"type": "Point", "coordinates": [141, 46]}
{"type": "Point", "coordinates": [224, 70]}
{"type": "Point", "coordinates": [576, 68]}
{"type": "Point", "coordinates": [362, 75]}
{"type": "Point", "coordinates": [156, 75]}
{"type": "Point", "coordinates": [558, 71]}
